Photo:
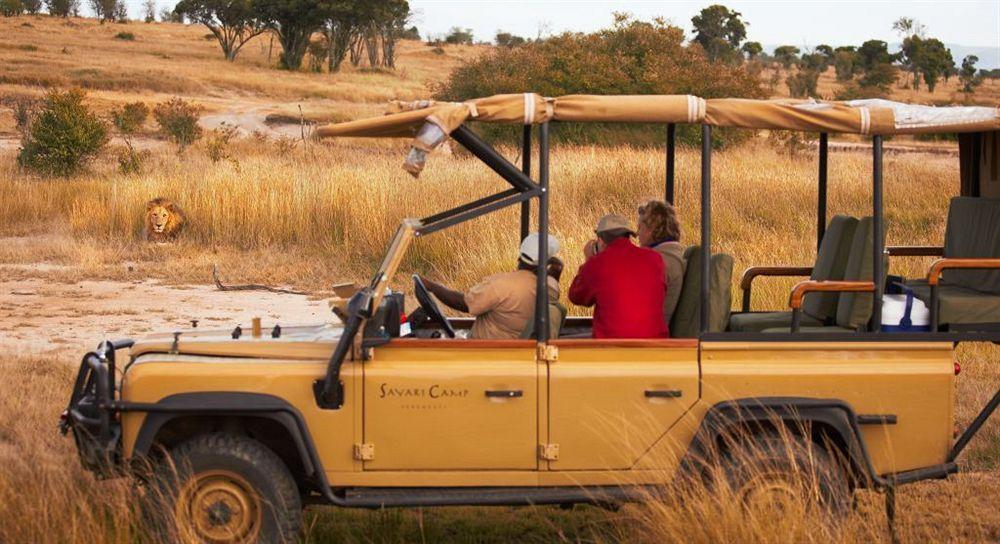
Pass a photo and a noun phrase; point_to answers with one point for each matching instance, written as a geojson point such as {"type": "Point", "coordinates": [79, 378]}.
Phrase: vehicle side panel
{"type": "Point", "coordinates": [912, 381]}
{"type": "Point", "coordinates": [426, 406]}
{"type": "Point", "coordinates": [155, 376]}
{"type": "Point", "coordinates": [609, 403]}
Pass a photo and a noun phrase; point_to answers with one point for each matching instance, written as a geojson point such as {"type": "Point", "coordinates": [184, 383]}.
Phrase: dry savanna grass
{"type": "Point", "coordinates": [946, 92]}
{"type": "Point", "coordinates": [317, 214]}
{"type": "Point", "coordinates": [168, 59]}
{"type": "Point", "coordinates": [45, 496]}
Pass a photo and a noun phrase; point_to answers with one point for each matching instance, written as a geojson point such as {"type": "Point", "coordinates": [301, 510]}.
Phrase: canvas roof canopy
{"type": "Point", "coordinates": [852, 117]}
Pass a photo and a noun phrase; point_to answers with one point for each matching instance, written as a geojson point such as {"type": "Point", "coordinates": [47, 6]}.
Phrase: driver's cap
{"type": "Point", "coordinates": [529, 248]}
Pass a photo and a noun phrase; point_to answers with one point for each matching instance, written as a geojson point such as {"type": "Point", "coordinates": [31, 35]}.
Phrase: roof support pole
{"type": "Point", "coordinates": [542, 291]}
{"type": "Point", "coordinates": [706, 223]}
{"type": "Point", "coordinates": [878, 236]}
{"type": "Point", "coordinates": [671, 163]}
{"type": "Point", "coordinates": [821, 200]}
{"type": "Point", "coordinates": [526, 169]}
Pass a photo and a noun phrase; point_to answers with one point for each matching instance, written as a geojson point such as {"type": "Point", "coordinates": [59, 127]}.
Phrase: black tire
{"type": "Point", "coordinates": [762, 467]}
{"type": "Point", "coordinates": [223, 488]}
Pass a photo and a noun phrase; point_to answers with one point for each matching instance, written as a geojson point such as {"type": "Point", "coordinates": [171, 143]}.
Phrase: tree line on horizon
{"type": "Point", "coordinates": [332, 31]}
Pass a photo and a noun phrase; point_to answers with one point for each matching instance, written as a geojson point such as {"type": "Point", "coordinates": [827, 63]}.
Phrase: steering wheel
{"type": "Point", "coordinates": [430, 307]}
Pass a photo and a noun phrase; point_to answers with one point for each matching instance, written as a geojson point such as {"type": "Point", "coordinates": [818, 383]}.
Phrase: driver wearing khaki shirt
{"type": "Point", "coordinates": [504, 303]}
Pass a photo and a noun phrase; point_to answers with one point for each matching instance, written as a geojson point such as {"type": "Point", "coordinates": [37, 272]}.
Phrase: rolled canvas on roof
{"type": "Point", "coordinates": [914, 117]}
{"type": "Point", "coordinates": [854, 117]}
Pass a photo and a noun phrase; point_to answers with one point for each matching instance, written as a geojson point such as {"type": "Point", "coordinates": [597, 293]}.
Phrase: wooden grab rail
{"type": "Point", "coordinates": [938, 266]}
{"type": "Point", "coordinates": [802, 288]}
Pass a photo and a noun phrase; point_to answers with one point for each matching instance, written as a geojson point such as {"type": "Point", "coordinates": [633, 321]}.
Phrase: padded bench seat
{"type": "Point", "coordinates": [959, 304]}
{"type": "Point", "coordinates": [968, 296]}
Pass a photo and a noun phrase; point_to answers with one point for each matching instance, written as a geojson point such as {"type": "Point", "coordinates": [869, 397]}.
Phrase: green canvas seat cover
{"type": "Point", "coordinates": [686, 321]}
{"type": "Point", "coordinates": [761, 321]}
{"type": "Point", "coordinates": [817, 308]}
{"type": "Point", "coordinates": [959, 304]}
{"type": "Point", "coordinates": [855, 309]}
{"type": "Point", "coordinates": [973, 231]}
{"type": "Point", "coordinates": [831, 264]}
{"type": "Point", "coordinates": [827, 328]}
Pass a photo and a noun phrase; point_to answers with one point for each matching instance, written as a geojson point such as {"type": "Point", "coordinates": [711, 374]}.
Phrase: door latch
{"type": "Point", "coordinates": [364, 452]}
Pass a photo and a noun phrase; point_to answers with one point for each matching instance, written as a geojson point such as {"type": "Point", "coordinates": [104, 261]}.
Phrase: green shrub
{"type": "Point", "coordinates": [178, 120]}
{"type": "Point", "coordinates": [129, 118]}
{"type": "Point", "coordinates": [217, 143]}
{"type": "Point", "coordinates": [130, 159]}
{"type": "Point", "coordinates": [11, 8]}
{"type": "Point", "coordinates": [64, 136]}
{"type": "Point", "coordinates": [127, 36]}
{"type": "Point", "coordinates": [631, 57]}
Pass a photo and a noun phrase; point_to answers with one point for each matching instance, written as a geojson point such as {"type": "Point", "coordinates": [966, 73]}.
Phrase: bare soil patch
{"type": "Point", "coordinates": [38, 315]}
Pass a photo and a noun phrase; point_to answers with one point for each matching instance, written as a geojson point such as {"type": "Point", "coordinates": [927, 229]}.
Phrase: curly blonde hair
{"type": "Point", "coordinates": [661, 219]}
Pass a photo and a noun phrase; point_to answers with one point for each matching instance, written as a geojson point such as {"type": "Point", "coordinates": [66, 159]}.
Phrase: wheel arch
{"type": "Point", "coordinates": [825, 420]}
{"type": "Point", "coordinates": [268, 419]}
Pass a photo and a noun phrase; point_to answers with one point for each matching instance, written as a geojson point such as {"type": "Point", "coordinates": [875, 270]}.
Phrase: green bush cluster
{"type": "Point", "coordinates": [63, 136]}
{"type": "Point", "coordinates": [129, 118]}
{"type": "Point", "coordinates": [631, 57]}
{"type": "Point", "coordinates": [178, 120]}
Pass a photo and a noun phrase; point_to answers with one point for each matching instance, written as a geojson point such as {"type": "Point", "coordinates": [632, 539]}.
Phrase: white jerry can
{"type": "Point", "coordinates": [905, 313]}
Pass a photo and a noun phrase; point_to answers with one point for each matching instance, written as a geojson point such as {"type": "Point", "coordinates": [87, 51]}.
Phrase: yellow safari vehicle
{"type": "Point", "coordinates": [242, 428]}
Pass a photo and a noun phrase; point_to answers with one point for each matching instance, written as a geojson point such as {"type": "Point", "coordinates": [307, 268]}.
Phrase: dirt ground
{"type": "Point", "coordinates": [40, 316]}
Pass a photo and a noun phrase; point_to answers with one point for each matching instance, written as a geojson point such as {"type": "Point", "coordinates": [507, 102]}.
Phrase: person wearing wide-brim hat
{"type": "Point", "coordinates": [504, 303]}
{"type": "Point", "coordinates": [624, 283]}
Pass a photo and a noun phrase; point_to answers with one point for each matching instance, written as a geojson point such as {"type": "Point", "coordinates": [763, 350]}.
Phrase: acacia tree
{"type": "Point", "coordinates": [232, 22]}
{"type": "Point", "coordinates": [968, 76]}
{"type": "Point", "coordinates": [109, 10]}
{"type": "Point", "coordinates": [787, 55]}
{"type": "Point", "coordinates": [846, 62]}
{"type": "Point", "coordinates": [340, 29]}
{"type": "Point", "coordinates": [719, 31]}
{"type": "Point", "coordinates": [62, 8]}
{"type": "Point", "coordinates": [752, 50]}
{"type": "Point", "coordinates": [934, 62]}
{"type": "Point", "coordinates": [293, 22]}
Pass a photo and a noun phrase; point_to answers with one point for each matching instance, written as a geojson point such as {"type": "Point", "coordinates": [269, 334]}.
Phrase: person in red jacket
{"type": "Point", "coordinates": [623, 282]}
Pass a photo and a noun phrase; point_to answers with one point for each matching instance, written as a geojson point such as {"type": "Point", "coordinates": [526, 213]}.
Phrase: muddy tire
{"type": "Point", "coordinates": [223, 488]}
{"type": "Point", "coordinates": [767, 471]}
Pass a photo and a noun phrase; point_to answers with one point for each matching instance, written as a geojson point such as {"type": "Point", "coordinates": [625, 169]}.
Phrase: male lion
{"type": "Point", "coordinates": [164, 220]}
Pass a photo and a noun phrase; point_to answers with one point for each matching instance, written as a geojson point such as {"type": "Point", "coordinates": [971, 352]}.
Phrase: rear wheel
{"type": "Point", "coordinates": [771, 473]}
{"type": "Point", "coordinates": [224, 488]}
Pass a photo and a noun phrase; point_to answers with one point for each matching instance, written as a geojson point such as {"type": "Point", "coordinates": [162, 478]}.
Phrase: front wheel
{"type": "Point", "coordinates": [224, 488]}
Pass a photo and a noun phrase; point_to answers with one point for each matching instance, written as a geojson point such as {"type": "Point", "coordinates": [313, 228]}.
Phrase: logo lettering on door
{"type": "Point", "coordinates": [435, 391]}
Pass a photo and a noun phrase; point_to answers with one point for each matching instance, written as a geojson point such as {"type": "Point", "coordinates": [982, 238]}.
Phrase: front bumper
{"type": "Point", "coordinates": [92, 415]}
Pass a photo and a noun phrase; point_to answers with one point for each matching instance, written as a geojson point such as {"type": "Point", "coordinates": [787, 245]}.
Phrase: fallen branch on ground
{"type": "Point", "coordinates": [249, 286]}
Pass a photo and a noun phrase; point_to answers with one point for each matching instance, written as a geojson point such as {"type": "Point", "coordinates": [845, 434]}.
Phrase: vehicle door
{"type": "Point", "coordinates": [609, 401]}
{"type": "Point", "coordinates": [439, 404]}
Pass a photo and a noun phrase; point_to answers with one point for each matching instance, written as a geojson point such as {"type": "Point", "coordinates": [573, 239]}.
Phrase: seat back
{"type": "Point", "coordinates": [855, 309]}
{"type": "Point", "coordinates": [831, 263]}
{"type": "Point", "coordinates": [686, 320]}
{"type": "Point", "coordinates": [557, 317]}
{"type": "Point", "coordinates": [973, 231]}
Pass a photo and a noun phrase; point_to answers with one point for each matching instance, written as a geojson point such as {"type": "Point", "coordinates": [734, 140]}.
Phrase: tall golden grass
{"type": "Point", "coordinates": [340, 203]}
{"type": "Point", "coordinates": [45, 496]}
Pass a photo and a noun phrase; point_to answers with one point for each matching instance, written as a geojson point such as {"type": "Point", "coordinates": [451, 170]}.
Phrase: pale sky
{"type": "Point", "coordinates": [972, 23]}
{"type": "Point", "coordinates": [771, 22]}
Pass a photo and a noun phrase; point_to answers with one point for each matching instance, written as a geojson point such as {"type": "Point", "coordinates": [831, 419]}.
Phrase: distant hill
{"type": "Point", "coordinates": [989, 57]}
